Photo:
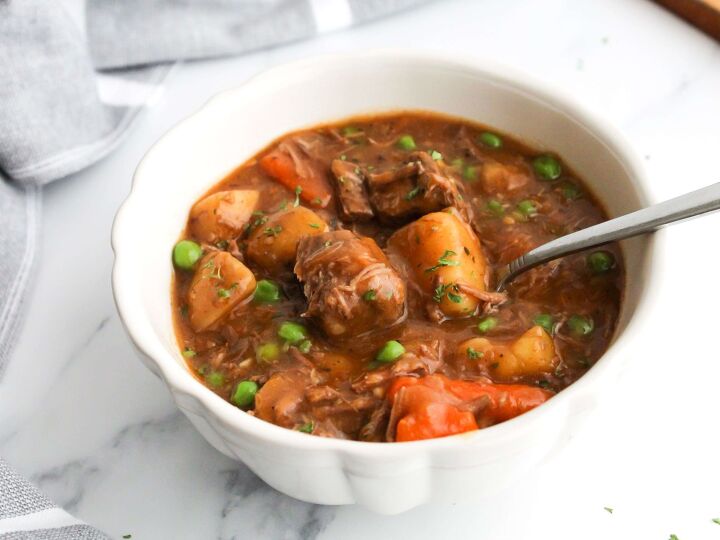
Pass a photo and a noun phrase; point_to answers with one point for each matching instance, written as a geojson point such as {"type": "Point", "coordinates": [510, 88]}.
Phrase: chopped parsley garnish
{"type": "Point", "coordinates": [262, 220]}
{"type": "Point", "coordinates": [327, 243]}
{"type": "Point", "coordinates": [343, 157]}
{"type": "Point", "coordinates": [543, 384]}
{"type": "Point", "coordinates": [298, 191]}
{"type": "Point", "coordinates": [126, 536]}
{"type": "Point", "coordinates": [439, 293]}
{"type": "Point", "coordinates": [370, 295]}
{"type": "Point", "coordinates": [184, 311]}
{"type": "Point", "coordinates": [608, 509]}
{"type": "Point", "coordinates": [447, 290]}
{"type": "Point", "coordinates": [317, 200]}
{"type": "Point", "coordinates": [357, 171]}
{"type": "Point", "coordinates": [673, 537]}
{"type": "Point", "coordinates": [437, 156]}
{"type": "Point", "coordinates": [341, 179]}
{"type": "Point", "coordinates": [283, 205]}
{"type": "Point", "coordinates": [414, 192]}
{"type": "Point", "coordinates": [444, 260]}
{"type": "Point", "coordinates": [189, 353]}
{"type": "Point", "coordinates": [222, 244]}
{"type": "Point", "coordinates": [472, 354]}
{"type": "Point", "coordinates": [258, 213]}
{"type": "Point", "coordinates": [226, 293]}
{"type": "Point", "coordinates": [215, 273]}
{"type": "Point", "coordinates": [315, 225]}
{"type": "Point", "coordinates": [305, 346]}
{"type": "Point", "coordinates": [273, 231]}
{"type": "Point", "coordinates": [716, 520]}
{"type": "Point", "coordinates": [307, 428]}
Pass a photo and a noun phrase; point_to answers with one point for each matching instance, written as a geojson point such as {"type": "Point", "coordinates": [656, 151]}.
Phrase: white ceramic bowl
{"type": "Point", "coordinates": [183, 164]}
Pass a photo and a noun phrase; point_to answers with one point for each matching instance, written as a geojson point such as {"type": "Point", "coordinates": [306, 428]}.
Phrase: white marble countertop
{"type": "Point", "coordinates": [97, 432]}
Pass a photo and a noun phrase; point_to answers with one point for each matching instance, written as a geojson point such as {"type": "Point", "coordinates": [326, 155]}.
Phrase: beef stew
{"type": "Point", "coordinates": [340, 282]}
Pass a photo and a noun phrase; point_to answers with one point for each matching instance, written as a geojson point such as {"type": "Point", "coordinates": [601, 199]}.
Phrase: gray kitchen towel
{"type": "Point", "coordinates": [74, 74]}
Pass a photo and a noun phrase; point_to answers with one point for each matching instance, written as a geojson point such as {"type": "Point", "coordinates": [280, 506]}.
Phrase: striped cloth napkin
{"type": "Point", "coordinates": [100, 61]}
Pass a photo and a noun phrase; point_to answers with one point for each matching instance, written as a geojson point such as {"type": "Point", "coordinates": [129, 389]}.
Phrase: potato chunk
{"type": "Point", "coordinates": [219, 284]}
{"type": "Point", "coordinates": [533, 353]}
{"type": "Point", "coordinates": [447, 261]}
{"type": "Point", "coordinates": [274, 243]}
{"type": "Point", "coordinates": [503, 178]}
{"type": "Point", "coordinates": [280, 400]}
{"type": "Point", "coordinates": [222, 215]}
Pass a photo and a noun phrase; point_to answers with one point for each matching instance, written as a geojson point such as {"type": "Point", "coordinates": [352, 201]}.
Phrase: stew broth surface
{"type": "Point", "coordinates": [412, 175]}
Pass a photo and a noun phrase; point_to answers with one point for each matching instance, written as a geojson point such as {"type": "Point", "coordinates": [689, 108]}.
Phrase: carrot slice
{"type": "Point", "coordinates": [434, 420]}
{"type": "Point", "coordinates": [315, 189]}
{"type": "Point", "coordinates": [434, 405]}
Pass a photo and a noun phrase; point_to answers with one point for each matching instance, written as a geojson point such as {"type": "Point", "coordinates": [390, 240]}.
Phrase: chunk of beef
{"type": "Point", "coordinates": [422, 357]}
{"type": "Point", "coordinates": [351, 191]}
{"type": "Point", "coordinates": [417, 187]}
{"type": "Point", "coordinates": [349, 283]}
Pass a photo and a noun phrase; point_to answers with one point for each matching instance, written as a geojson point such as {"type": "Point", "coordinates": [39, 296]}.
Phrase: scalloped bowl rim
{"type": "Point", "coordinates": [180, 379]}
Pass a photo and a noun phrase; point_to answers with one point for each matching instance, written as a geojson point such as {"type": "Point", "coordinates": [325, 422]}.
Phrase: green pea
{"type": "Point", "coordinates": [406, 142]}
{"type": "Point", "coordinates": [186, 253]}
{"type": "Point", "coordinates": [580, 326]}
{"type": "Point", "coordinates": [268, 352]}
{"type": "Point", "coordinates": [495, 207]}
{"type": "Point", "coordinates": [307, 427]}
{"type": "Point", "coordinates": [266, 291]}
{"type": "Point", "coordinates": [470, 173]}
{"type": "Point", "coordinates": [570, 191]}
{"type": "Point", "coordinates": [491, 140]}
{"type": "Point", "coordinates": [547, 167]}
{"type": "Point", "coordinates": [391, 351]}
{"type": "Point", "coordinates": [215, 379]}
{"type": "Point", "coordinates": [487, 324]}
{"type": "Point", "coordinates": [545, 320]}
{"type": "Point", "coordinates": [244, 394]}
{"type": "Point", "coordinates": [527, 208]}
{"type": "Point", "coordinates": [292, 332]}
{"type": "Point", "coordinates": [600, 261]}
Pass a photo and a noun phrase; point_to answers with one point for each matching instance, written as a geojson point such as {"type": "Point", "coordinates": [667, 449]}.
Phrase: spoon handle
{"type": "Point", "coordinates": [642, 221]}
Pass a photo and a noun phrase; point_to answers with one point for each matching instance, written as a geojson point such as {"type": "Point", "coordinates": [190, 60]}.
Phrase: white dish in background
{"type": "Point", "coordinates": [233, 126]}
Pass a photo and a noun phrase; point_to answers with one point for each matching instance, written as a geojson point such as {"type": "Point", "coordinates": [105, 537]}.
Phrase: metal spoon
{"type": "Point", "coordinates": [642, 221]}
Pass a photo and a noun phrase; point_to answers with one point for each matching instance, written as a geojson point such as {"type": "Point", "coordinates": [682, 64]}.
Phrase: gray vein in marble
{"type": "Point", "coordinates": [76, 476]}
{"type": "Point", "coordinates": [86, 343]}
{"type": "Point", "coordinates": [274, 515]}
